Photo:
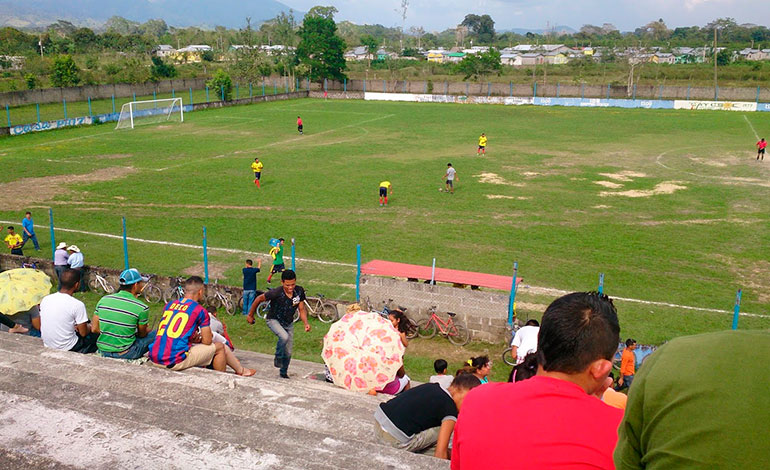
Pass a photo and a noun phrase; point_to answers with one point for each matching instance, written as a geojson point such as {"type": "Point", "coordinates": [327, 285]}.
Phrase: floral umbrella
{"type": "Point", "coordinates": [363, 351]}
{"type": "Point", "coordinates": [22, 289]}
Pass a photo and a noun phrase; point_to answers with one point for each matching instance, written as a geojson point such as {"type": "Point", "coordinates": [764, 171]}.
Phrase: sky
{"type": "Point", "coordinates": [626, 15]}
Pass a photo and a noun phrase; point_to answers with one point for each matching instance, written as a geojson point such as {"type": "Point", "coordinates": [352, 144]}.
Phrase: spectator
{"type": "Point", "coordinates": [441, 377]}
{"type": "Point", "coordinates": [219, 332]}
{"type": "Point", "coordinates": [28, 230]}
{"type": "Point", "coordinates": [422, 419]}
{"type": "Point", "coordinates": [276, 253]}
{"type": "Point", "coordinates": [482, 367]}
{"type": "Point", "coordinates": [525, 341]}
{"type": "Point", "coordinates": [60, 257]}
{"type": "Point", "coordinates": [122, 320]}
{"type": "Point", "coordinates": [627, 365]}
{"type": "Point", "coordinates": [526, 369]}
{"type": "Point", "coordinates": [26, 322]}
{"type": "Point", "coordinates": [77, 262]}
{"type": "Point", "coordinates": [14, 242]}
{"type": "Point", "coordinates": [11, 326]}
{"type": "Point", "coordinates": [184, 337]}
{"type": "Point", "coordinates": [63, 318]}
{"type": "Point", "coordinates": [250, 284]}
{"type": "Point", "coordinates": [402, 381]}
{"type": "Point", "coordinates": [284, 302]}
{"type": "Point", "coordinates": [567, 425]}
{"type": "Point", "coordinates": [700, 402]}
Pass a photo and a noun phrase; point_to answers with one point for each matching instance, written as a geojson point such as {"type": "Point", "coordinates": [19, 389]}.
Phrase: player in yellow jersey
{"type": "Point", "coordinates": [256, 167]}
{"type": "Point", "coordinates": [482, 144]}
{"type": "Point", "coordinates": [385, 187]}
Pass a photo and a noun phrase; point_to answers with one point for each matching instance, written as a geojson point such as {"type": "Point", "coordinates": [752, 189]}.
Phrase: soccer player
{"type": "Point", "coordinates": [277, 253]}
{"type": "Point", "coordinates": [14, 242]}
{"type": "Point", "coordinates": [482, 144]}
{"type": "Point", "coordinates": [299, 125]}
{"type": "Point", "coordinates": [256, 167]}
{"type": "Point", "coordinates": [385, 187]}
{"type": "Point", "coordinates": [450, 177]}
{"type": "Point", "coordinates": [761, 145]}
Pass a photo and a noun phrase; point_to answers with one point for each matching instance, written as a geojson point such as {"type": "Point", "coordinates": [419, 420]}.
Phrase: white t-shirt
{"type": "Point", "coordinates": [450, 174]}
{"type": "Point", "coordinates": [526, 341]}
{"type": "Point", "coordinates": [59, 313]}
{"type": "Point", "coordinates": [444, 380]}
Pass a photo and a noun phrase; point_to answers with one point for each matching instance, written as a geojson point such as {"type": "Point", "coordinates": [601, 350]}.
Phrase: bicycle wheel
{"type": "Point", "coordinates": [508, 358]}
{"type": "Point", "coordinates": [171, 294]}
{"type": "Point", "coordinates": [152, 293]}
{"type": "Point", "coordinates": [458, 334]}
{"type": "Point", "coordinates": [426, 327]}
{"type": "Point", "coordinates": [94, 285]}
{"type": "Point", "coordinates": [214, 300]}
{"type": "Point", "coordinates": [263, 308]}
{"type": "Point", "coordinates": [327, 312]}
{"type": "Point", "coordinates": [228, 305]}
{"type": "Point", "coordinates": [240, 303]}
{"type": "Point", "coordinates": [296, 315]}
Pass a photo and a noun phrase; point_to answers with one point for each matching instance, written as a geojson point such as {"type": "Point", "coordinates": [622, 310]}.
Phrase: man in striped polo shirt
{"type": "Point", "coordinates": [121, 320]}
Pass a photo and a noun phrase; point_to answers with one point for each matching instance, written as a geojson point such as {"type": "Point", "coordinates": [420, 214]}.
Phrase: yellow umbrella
{"type": "Point", "coordinates": [363, 351]}
{"type": "Point", "coordinates": [22, 289]}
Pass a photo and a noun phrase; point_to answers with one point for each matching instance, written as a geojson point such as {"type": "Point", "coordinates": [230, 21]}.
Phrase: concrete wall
{"type": "Point", "coordinates": [485, 313]}
{"type": "Point", "coordinates": [82, 93]}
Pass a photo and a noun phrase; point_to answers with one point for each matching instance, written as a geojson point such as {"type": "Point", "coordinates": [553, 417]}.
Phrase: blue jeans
{"type": "Point", "coordinates": [248, 299]}
{"type": "Point", "coordinates": [285, 344]}
{"type": "Point", "coordinates": [33, 237]}
{"type": "Point", "coordinates": [137, 350]}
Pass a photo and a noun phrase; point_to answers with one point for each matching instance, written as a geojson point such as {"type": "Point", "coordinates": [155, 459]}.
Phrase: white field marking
{"type": "Point", "coordinates": [751, 126]}
{"type": "Point", "coordinates": [724, 179]}
{"type": "Point", "coordinates": [239, 117]}
{"type": "Point", "coordinates": [535, 289]}
{"type": "Point", "coordinates": [51, 142]}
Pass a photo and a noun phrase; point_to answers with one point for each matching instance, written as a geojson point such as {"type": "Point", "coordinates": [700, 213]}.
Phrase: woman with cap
{"type": "Point", "coordinates": [60, 257]}
{"type": "Point", "coordinates": [77, 262]}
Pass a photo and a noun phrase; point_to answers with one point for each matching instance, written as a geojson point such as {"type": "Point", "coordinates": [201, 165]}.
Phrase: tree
{"type": "Point", "coordinates": [657, 30]}
{"type": "Point", "coordinates": [320, 47]}
{"type": "Point", "coordinates": [724, 57]}
{"type": "Point", "coordinates": [154, 28]}
{"type": "Point", "coordinates": [482, 27]}
{"type": "Point", "coordinates": [160, 69]}
{"type": "Point", "coordinates": [477, 65]}
{"type": "Point", "coordinates": [65, 72]}
{"type": "Point", "coordinates": [370, 43]}
{"type": "Point", "coordinates": [221, 84]}
{"type": "Point", "coordinates": [418, 32]}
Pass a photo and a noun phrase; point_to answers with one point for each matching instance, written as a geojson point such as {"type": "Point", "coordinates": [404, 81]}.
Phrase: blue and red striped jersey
{"type": "Point", "coordinates": [181, 318]}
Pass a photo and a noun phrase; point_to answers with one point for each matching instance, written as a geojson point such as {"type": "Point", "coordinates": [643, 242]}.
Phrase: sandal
{"type": "Point", "coordinates": [247, 372]}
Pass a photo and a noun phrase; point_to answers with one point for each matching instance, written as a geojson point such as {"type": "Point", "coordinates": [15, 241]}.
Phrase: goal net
{"type": "Point", "coordinates": [150, 112]}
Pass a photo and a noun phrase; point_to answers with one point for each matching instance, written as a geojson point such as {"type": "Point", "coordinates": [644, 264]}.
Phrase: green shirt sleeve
{"type": "Point", "coordinates": [144, 316]}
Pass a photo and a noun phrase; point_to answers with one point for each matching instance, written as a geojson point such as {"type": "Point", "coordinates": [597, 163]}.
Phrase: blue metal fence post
{"type": "Point", "coordinates": [425, 87]}
{"type": "Point", "coordinates": [8, 115]}
{"type": "Point", "coordinates": [601, 283]}
{"type": "Point", "coordinates": [37, 108]}
{"type": "Point", "coordinates": [191, 97]}
{"type": "Point", "coordinates": [384, 86]}
{"type": "Point", "coordinates": [90, 113]}
{"type": "Point", "coordinates": [634, 92]}
{"type": "Point", "coordinates": [263, 87]}
{"type": "Point", "coordinates": [757, 94]}
{"type": "Point", "coordinates": [688, 92]}
{"type": "Point", "coordinates": [125, 245]}
{"type": "Point", "coordinates": [446, 87]}
{"type": "Point", "coordinates": [251, 90]}
{"type": "Point", "coordinates": [467, 89]}
{"type": "Point", "coordinates": [237, 90]}
{"type": "Point", "coordinates": [489, 89]}
{"type": "Point", "coordinates": [222, 89]}
{"type": "Point", "coordinates": [512, 298]}
{"type": "Point", "coordinates": [326, 85]}
{"type": "Point", "coordinates": [154, 94]}
{"type": "Point", "coordinates": [173, 93]}
{"type": "Point", "coordinates": [275, 88]}
{"type": "Point", "coordinates": [53, 235]}
{"type": "Point", "coordinates": [558, 89]}
{"type": "Point", "coordinates": [510, 85]}
{"type": "Point", "coordinates": [364, 85]}
{"type": "Point", "coordinates": [358, 273]}
{"type": "Point", "coordinates": [406, 90]}
{"type": "Point", "coordinates": [205, 258]}
{"type": "Point", "coordinates": [307, 83]}
{"type": "Point", "coordinates": [534, 90]}
{"type": "Point", "coordinates": [345, 85]}
{"type": "Point", "coordinates": [113, 104]}
{"type": "Point", "coordinates": [660, 94]}
{"type": "Point", "coordinates": [737, 309]}
{"type": "Point", "coordinates": [293, 256]}
{"type": "Point", "coordinates": [64, 102]}
{"type": "Point", "coordinates": [716, 93]}
{"type": "Point", "coordinates": [134, 96]}
{"type": "Point", "coordinates": [582, 91]}
{"type": "Point", "coordinates": [286, 84]}
{"type": "Point", "coordinates": [207, 93]}
{"type": "Point", "coordinates": [433, 273]}
{"type": "Point", "coordinates": [608, 91]}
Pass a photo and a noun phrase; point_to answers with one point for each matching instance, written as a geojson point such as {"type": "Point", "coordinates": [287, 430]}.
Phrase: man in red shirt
{"type": "Point", "coordinates": [555, 419]}
{"type": "Point", "coordinates": [299, 125]}
{"type": "Point", "coordinates": [761, 145]}
{"type": "Point", "coordinates": [627, 365]}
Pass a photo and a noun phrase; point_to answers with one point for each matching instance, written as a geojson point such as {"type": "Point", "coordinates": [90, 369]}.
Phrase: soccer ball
{"type": "Point", "coordinates": [440, 189]}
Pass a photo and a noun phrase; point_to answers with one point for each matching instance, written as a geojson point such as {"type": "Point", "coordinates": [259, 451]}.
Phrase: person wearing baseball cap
{"type": "Point", "coordinates": [122, 320]}
{"type": "Point", "coordinates": [60, 257]}
{"type": "Point", "coordinates": [76, 261]}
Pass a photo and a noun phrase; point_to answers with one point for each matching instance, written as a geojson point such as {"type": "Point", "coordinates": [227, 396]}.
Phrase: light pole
{"type": "Point", "coordinates": [716, 88]}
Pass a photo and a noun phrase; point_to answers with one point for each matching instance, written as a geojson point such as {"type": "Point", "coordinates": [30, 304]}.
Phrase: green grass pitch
{"type": "Point", "coordinates": [670, 205]}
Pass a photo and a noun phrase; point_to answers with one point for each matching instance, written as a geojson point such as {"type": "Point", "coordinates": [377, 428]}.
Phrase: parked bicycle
{"type": "Point", "coordinates": [176, 291]}
{"type": "Point", "coordinates": [99, 283]}
{"type": "Point", "coordinates": [264, 307]}
{"type": "Point", "coordinates": [321, 308]}
{"type": "Point", "coordinates": [508, 357]}
{"type": "Point", "coordinates": [218, 299]}
{"type": "Point", "coordinates": [151, 292]}
{"type": "Point", "coordinates": [385, 310]}
{"type": "Point", "coordinates": [454, 330]}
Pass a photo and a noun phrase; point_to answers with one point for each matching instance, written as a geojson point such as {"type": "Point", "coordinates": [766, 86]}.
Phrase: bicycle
{"type": "Point", "coordinates": [264, 307]}
{"type": "Point", "coordinates": [97, 282]}
{"type": "Point", "coordinates": [176, 291]}
{"type": "Point", "coordinates": [385, 311]}
{"type": "Point", "coordinates": [511, 330]}
{"type": "Point", "coordinates": [322, 309]}
{"type": "Point", "coordinates": [151, 291]}
{"type": "Point", "coordinates": [454, 330]}
{"type": "Point", "coordinates": [224, 300]}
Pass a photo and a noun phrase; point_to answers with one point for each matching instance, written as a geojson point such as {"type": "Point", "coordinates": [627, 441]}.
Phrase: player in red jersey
{"type": "Point", "coordinates": [761, 145]}
{"type": "Point", "coordinates": [299, 125]}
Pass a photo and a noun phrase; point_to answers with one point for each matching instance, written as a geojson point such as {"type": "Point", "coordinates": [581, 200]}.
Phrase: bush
{"type": "Point", "coordinates": [31, 81]}
{"type": "Point", "coordinates": [65, 72]}
{"type": "Point", "coordinates": [222, 85]}
{"type": "Point", "coordinates": [160, 69]}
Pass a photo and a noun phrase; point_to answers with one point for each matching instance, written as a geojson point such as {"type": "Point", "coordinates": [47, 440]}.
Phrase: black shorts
{"type": "Point", "coordinates": [257, 175]}
{"type": "Point", "coordinates": [482, 147]}
{"type": "Point", "coordinates": [299, 127]}
{"type": "Point", "coordinates": [383, 192]}
{"type": "Point", "coordinates": [277, 268]}
{"type": "Point", "coordinates": [762, 151]}
{"type": "Point", "coordinates": [449, 183]}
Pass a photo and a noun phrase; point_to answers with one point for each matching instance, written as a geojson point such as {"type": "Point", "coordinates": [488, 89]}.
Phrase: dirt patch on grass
{"type": "Point", "coordinates": [216, 270]}
{"type": "Point", "coordinates": [666, 187]}
{"type": "Point", "coordinates": [602, 206]}
{"type": "Point", "coordinates": [530, 174]}
{"type": "Point", "coordinates": [21, 193]}
{"type": "Point", "coordinates": [494, 178]}
{"type": "Point", "coordinates": [624, 176]}
{"type": "Point", "coordinates": [609, 184]}
{"type": "Point", "coordinates": [708, 162]}
{"type": "Point", "coordinates": [499, 196]}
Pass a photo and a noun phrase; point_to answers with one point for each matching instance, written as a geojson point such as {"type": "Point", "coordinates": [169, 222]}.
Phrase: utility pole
{"type": "Point", "coordinates": [716, 89]}
{"type": "Point", "coordinates": [40, 43]}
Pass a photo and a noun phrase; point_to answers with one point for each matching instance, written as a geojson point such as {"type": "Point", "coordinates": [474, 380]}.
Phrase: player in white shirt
{"type": "Point", "coordinates": [525, 341]}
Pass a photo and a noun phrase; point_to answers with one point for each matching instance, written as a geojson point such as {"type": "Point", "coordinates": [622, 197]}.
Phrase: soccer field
{"type": "Point", "coordinates": [670, 205]}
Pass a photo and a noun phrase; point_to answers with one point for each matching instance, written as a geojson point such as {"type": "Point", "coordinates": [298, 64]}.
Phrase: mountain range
{"type": "Point", "coordinates": [180, 13]}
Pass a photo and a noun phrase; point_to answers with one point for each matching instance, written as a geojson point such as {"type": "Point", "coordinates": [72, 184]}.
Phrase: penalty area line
{"type": "Point", "coordinates": [751, 126]}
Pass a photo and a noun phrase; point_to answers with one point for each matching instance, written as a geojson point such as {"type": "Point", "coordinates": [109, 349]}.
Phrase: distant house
{"type": "Point", "coordinates": [196, 48]}
{"type": "Point", "coordinates": [355, 54]}
{"type": "Point", "coordinates": [662, 58]}
{"type": "Point", "coordinates": [275, 49]}
{"type": "Point", "coordinates": [454, 57]}
{"type": "Point", "coordinates": [12, 62]}
{"type": "Point", "coordinates": [382, 54]}
{"type": "Point", "coordinates": [523, 48]}
{"type": "Point", "coordinates": [554, 58]}
{"type": "Point", "coordinates": [557, 48]}
{"type": "Point", "coordinates": [163, 50]}
{"type": "Point", "coordinates": [510, 59]}
{"type": "Point", "coordinates": [532, 58]}
{"type": "Point", "coordinates": [752, 54]}
{"type": "Point", "coordinates": [436, 55]}
{"type": "Point", "coordinates": [190, 54]}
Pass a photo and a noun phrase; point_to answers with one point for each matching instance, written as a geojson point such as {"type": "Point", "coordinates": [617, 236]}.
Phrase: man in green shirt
{"type": "Point", "coordinates": [276, 253]}
{"type": "Point", "coordinates": [700, 402]}
{"type": "Point", "coordinates": [121, 320]}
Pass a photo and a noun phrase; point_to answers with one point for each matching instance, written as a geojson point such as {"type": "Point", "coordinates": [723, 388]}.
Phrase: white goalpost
{"type": "Point", "coordinates": [150, 112]}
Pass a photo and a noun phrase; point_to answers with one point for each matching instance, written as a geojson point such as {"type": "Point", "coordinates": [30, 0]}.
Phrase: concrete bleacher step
{"type": "Point", "coordinates": [66, 410]}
